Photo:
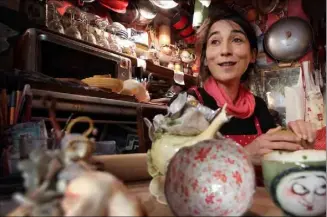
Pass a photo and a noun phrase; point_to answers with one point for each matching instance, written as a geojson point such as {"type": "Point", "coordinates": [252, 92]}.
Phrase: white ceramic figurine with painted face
{"type": "Point", "coordinates": [302, 193]}
{"type": "Point", "coordinates": [297, 181]}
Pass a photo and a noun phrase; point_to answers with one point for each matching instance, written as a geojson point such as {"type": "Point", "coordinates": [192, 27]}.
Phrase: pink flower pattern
{"type": "Point", "coordinates": [204, 167]}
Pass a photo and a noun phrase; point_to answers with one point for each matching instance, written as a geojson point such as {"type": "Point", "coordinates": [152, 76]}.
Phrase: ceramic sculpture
{"type": "Point", "coordinates": [63, 182]}
{"type": "Point", "coordinates": [297, 181]}
{"type": "Point", "coordinates": [211, 178]}
{"type": "Point", "coordinates": [201, 123]}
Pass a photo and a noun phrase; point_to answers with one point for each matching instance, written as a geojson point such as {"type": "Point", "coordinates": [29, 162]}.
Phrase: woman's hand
{"type": "Point", "coordinates": [269, 141]}
{"type": "Point", "coordinates": [304, 130]}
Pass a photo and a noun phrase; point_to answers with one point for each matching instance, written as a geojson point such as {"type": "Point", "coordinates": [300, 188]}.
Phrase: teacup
{"type": "Point", "coordinates": [296, 181]}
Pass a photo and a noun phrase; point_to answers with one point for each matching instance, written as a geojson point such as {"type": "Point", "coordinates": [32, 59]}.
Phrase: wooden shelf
{"type": "Point", "coordinates": [158, 70]}
{"type": "Point", "coordinates": [155, 69]}
{"type": "Point", "coordinates": [150, 66]}
{"type": "Point", "coordinates": [23, 25]}
{"type": "Point", "coordinates": [168, 73]}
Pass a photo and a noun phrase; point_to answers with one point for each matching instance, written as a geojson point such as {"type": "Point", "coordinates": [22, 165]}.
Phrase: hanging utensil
{"type": "Point", "coordinates": [289, 39]}
{"type": "Point", "coordinates": [147, 12]}
{"type": "Point", "coordinates": [269, 6]}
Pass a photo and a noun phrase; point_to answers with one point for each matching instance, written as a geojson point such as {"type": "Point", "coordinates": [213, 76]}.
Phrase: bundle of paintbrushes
{"type": "Point", "coordinates": [15, 101]}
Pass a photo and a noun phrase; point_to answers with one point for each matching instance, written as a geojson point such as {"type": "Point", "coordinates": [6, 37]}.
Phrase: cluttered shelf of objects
{"type": "Point", "coordinates": [59, 44]}
{"type": "Point", "coordinates": [147, 64]}
{"type": "Point", "coordinates": [141, 43]}
{"type": "Point", "coordinates": [27, 93]}
{"type": "Point", "coordinates": [112, 92]}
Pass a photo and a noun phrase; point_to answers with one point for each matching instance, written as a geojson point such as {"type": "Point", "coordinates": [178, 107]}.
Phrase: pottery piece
{"type": "Point", "coordinates": [166, 144]}
{"type": "Point", "coordinates": [175, 108]}
{"type": "Point", "coordinates": [297, 181]}
{"type": "Point", "coordinates": [108, 197]}
{"type": "Point", "coordinates": [211, 178]}
{"type": "Point", "coordinates": [187, 57]}
{"type": "Point", "coordinates": [77, 146]}
{"type": "Point", "coordinates": [64, 182]}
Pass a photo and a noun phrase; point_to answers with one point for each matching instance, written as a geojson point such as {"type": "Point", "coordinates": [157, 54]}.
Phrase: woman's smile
{"type": "Point", "coordinates": [227, 64]}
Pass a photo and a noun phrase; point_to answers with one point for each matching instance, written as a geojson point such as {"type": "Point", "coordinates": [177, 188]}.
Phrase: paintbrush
{"type": "Point", "coordinates": [18, 99]}
{"type": "Point", "coordinates": [25, 99]}
{"type": "Point", "coordinates": [12, 86]}
{"type": "Point", "coordinates": [4, 99]}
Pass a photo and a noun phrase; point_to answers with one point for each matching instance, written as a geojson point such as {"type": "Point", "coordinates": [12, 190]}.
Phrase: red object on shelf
{"type": "Point", "coordinates": [118, 6]}
{"type": "Point", "coordinates": [191, 39]}
{"type": "Point", "coordinates": [65, 5]}
{"type": "Point", "coordinates": [187, 31]}
{"type": "Point", "coordinates": [180, 22]}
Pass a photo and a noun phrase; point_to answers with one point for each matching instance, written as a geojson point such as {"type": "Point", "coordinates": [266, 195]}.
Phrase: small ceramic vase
{"type": "Point", "coordinates": [212, 178]}
{"type": "Point", "coordinates": [297, 181]}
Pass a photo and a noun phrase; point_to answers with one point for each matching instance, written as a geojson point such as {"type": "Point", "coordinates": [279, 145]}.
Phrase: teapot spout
{"type": "Point", "coordinates": [215, 125]}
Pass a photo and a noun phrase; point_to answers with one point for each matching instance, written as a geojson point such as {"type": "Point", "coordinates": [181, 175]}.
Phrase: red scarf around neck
{"type": "Point", "coordinates": [242, 108]}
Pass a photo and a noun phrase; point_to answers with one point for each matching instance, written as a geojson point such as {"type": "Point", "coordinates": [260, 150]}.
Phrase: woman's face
{"type": "Point", "coordinates": [228, 51]}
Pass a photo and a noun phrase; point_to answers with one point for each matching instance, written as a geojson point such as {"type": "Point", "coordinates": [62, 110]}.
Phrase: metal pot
{"type": "Point", "coordinates": [147, 12]}
{"type": "Point", "coordinates": [288, 39]}
{"type": "Point", "coordinates": [269, 6]}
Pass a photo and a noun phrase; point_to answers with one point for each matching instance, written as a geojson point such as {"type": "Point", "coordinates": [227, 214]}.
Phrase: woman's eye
{"type": "Point", "coordinates": [321, 190]}
{"type": "Point", "coordinates": [237, 40]}
{"type": "Point", "coordinates": [214, 41]}
{"type": "Point", "coordinates": [299, 189]}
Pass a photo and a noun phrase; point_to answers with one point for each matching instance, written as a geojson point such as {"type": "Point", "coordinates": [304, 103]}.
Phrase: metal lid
{"type": "Point", "coordinates": [288, 39]}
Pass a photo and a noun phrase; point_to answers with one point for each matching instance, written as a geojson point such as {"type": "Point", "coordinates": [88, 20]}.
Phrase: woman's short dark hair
{"type": "Point", "coordinates": [220, 11]}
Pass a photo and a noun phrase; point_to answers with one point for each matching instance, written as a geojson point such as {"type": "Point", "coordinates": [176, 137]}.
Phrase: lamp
{"type": "Point", "coordinates": [200, 12]}
{"type": "Point", "coordinates": [164, 35]}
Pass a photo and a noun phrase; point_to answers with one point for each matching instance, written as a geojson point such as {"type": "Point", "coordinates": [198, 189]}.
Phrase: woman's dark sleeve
{"type": "Point", "coordinates": [266, 120]}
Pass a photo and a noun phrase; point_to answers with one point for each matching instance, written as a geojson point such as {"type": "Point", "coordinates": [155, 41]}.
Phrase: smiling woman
{"type": "Point", "coordinates": [230, 40]}
{"type": "Point", "coordinates": [223, 65]}
{"type": "Point", "coordinates": [228, 53]}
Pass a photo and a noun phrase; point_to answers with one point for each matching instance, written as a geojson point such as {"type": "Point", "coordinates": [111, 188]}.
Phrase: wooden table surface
{"type": "Point", "coordinates": [262, 204]}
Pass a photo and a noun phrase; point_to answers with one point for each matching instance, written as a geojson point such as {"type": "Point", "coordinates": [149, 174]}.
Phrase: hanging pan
{"type": "Point", "coordinates": [269, 6]}
{"type": "Point", "coordinates": [287, 40]}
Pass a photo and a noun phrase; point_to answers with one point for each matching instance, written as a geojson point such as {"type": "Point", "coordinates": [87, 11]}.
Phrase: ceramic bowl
{"type": "Point", "coordinates": [211, 178]}
{"type": "Point", "coordinates": [297, 181]}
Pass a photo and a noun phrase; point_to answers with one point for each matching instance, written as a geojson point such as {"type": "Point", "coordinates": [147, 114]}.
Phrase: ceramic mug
{"type": "Point", "coordinates": [296, 181]}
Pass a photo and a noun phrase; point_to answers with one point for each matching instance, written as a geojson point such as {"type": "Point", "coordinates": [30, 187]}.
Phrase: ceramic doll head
{"type": "Point", "coordinates": [301, 191]}
{"type": "Point", "coordinates": [187, 57]}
